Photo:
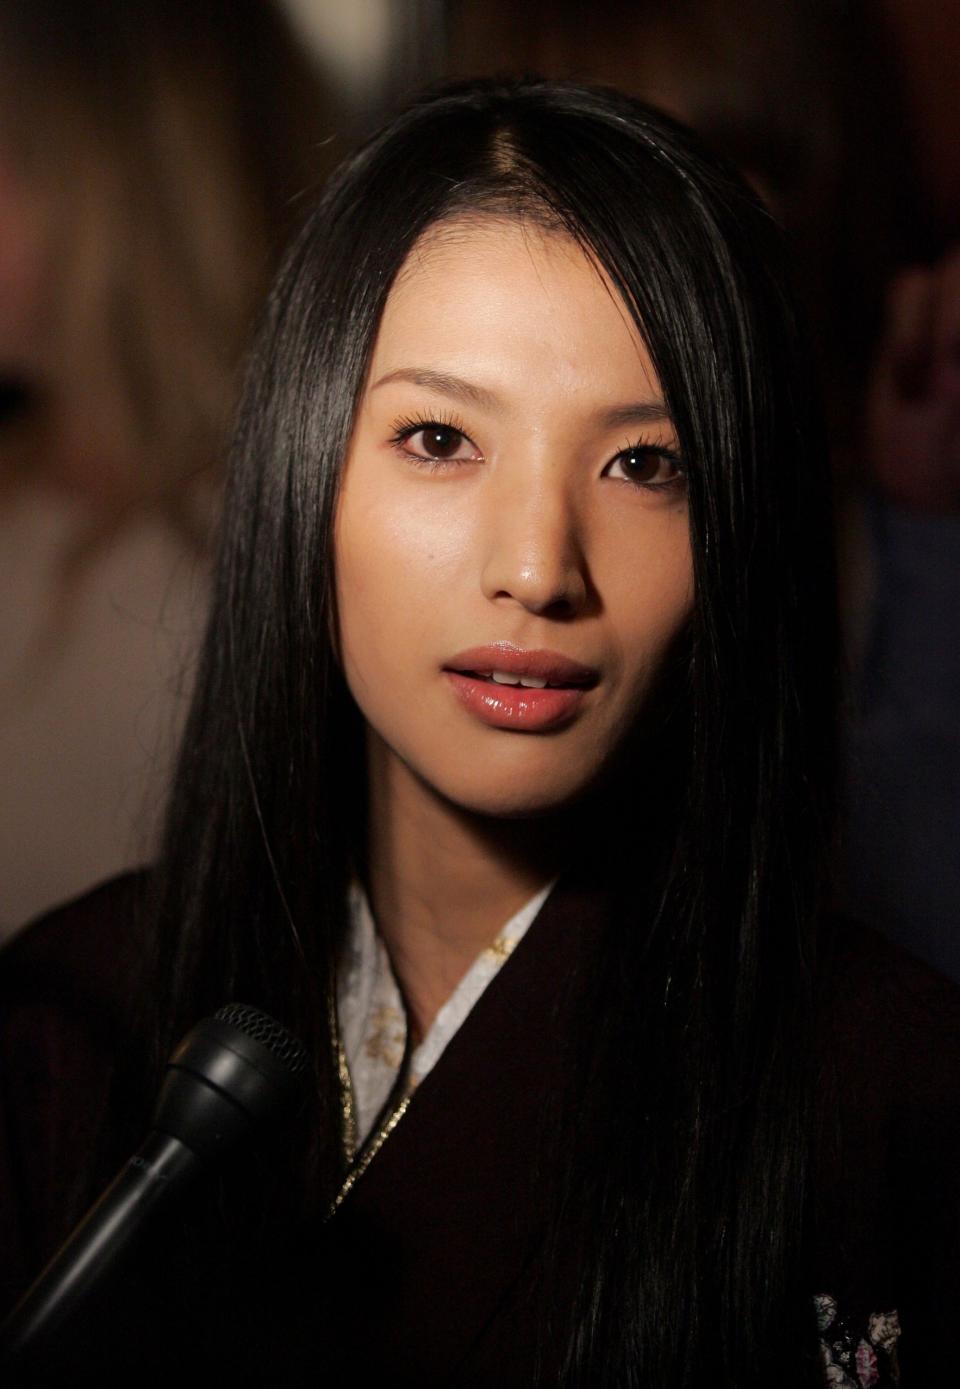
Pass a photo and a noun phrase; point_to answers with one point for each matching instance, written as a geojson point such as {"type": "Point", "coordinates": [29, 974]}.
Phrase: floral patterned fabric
{"type": "Point", "coordinates": [857, 1353]}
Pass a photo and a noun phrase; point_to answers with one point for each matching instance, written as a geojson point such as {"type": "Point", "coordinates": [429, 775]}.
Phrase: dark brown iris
{"type": "Point", "coordinates": [644, 465]}
{"type": "Point", "coordinates": [439, 441]}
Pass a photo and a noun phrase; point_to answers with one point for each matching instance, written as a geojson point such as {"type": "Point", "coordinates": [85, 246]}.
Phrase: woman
{"type": "Point", "coordinates": [528, 412]}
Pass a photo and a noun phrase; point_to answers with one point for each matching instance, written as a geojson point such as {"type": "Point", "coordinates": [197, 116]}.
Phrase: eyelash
{"type": "Point", "coordinates": [407, 426]}
{"type": "Point", "coordinates": [677, 483]}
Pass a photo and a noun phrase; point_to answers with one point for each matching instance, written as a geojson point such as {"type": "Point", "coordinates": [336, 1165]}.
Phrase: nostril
{"type": "Point", "coordinates": [561, 607]}
{"type": "Point", "coordinates": [537, 563]}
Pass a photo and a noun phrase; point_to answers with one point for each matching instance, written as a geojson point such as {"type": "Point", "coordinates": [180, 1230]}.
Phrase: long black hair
{"type": "Point", "coordinates": [688, 1229]}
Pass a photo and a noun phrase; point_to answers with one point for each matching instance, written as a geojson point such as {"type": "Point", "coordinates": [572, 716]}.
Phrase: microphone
{"type": "Point", "coordinates": [231, 1074]}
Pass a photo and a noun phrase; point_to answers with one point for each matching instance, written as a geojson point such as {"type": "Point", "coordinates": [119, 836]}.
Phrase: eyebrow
{"type": "Point", "coordinates": [643, 412]}
{"type": "Point", "coordinates": [442, 382]}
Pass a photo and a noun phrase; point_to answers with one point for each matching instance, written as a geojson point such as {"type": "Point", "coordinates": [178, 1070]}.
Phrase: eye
{"type": "Point", "coordinates": [646, 466]}
{"type": "Point", "coordinates": [434, 441]}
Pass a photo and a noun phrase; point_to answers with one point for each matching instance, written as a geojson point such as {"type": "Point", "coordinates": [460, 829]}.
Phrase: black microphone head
{"type": "Point", "coordinates": [232, 1072]}
{"type": "Point", "coordinates": [260, 1027]}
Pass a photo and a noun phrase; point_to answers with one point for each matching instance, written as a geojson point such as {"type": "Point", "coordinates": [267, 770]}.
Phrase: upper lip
{"type": "Point", "coordinates": [514, 660]}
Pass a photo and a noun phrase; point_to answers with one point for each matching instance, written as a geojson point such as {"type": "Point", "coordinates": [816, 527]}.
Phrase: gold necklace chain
{"type": "Point", "coordinates": [358, 1164]}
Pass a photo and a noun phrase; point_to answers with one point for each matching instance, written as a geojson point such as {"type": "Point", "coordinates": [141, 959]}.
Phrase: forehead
{"type": "Point", "coordinates": [487, 295]}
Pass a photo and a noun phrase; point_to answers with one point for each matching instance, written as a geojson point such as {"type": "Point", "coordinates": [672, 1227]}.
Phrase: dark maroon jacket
{"type": "Point", "coordinates": [424, 1274]}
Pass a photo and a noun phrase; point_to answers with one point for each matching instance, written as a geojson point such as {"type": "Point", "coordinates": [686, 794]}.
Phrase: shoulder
{"type": "Point", "coordinates": [888, 1145]}
{"type": "Point", "coordinates": [87, 938]}
{"type": "Point", "coordinates": [888, 1051]}
{"type": "Point", "coordinates": [70, 972]}
{"type": "Point", "coordinates": [67, 984]}
{"type": "Point", "coordinates": [67, 1027]}
{"type": "Point", "coordinates": [888, 1020]}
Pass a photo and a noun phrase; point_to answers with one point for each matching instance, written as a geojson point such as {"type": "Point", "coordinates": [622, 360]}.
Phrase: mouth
{"type": "Point", "coordinates": [528, 682]}
{"type": "Point", "coordinates": [506, 664]}
{"type": "Point", "coordinates": [509, 688]}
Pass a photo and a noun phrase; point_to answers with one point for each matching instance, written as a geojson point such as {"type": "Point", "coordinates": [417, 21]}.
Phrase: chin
{"type": "Point", "coordinates": [520, 796]}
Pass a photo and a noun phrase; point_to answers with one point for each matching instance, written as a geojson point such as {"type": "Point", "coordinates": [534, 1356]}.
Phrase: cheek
{"type": "Point", "coordinates": [406, 528]}
{"type": "Point", "coordinates": [398, 557]}
{"type": "Point", "coordinates": [649, 598]}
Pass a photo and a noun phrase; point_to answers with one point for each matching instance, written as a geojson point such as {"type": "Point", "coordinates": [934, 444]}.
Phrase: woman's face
{"type": "Point", "coordinates": [512, 546]}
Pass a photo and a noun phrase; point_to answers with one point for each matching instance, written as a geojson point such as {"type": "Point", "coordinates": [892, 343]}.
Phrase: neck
{"type": "Point", "coordinates": [443, 881]}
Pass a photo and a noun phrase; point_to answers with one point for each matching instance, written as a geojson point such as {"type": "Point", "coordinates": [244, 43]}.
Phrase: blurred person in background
{"type": "Point", "coordinates": [151, 157]}
{"type": "Point", "coordinates": [826, 108]}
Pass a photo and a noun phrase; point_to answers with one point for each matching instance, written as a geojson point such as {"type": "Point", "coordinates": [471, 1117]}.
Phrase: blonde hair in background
{"type": "Point", "coordinates": [162, 145]}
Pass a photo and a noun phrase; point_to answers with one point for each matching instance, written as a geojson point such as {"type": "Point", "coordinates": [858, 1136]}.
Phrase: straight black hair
{"type": "Point", "coordinates": [687, 1219]}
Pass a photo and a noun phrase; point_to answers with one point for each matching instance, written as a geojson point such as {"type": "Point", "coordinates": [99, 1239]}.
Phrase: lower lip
{"type": "Point", "coordinates": [515, 706]}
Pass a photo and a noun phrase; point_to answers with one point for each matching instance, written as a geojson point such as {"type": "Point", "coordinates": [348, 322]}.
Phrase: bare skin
{"type": "Point", "coordinates": [442, 881]}
{"type": "Point", "coordinates": [513, 487]}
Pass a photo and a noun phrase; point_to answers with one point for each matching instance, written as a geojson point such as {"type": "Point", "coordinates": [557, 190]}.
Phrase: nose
{"type": "Point", "coordinates": [534, 555]}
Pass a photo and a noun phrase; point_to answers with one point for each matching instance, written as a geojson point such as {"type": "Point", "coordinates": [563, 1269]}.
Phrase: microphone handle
{"type": "Point", "coordinates": [94, 1246]}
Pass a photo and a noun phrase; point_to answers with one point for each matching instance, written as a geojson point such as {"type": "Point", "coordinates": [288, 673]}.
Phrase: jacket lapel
{"type": "Point", "coordinates": [433, 1239]}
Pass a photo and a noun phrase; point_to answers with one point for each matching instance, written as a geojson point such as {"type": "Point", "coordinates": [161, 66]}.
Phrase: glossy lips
{"type": "Point", "coordinates": [519, 707]}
